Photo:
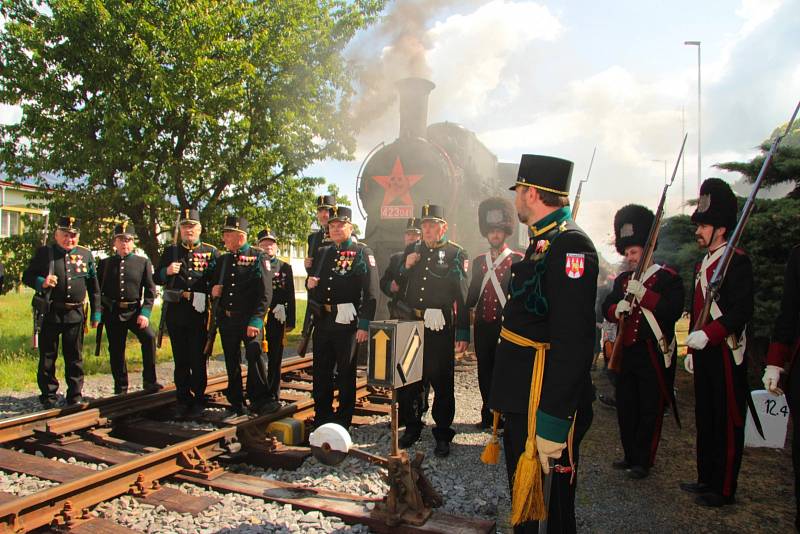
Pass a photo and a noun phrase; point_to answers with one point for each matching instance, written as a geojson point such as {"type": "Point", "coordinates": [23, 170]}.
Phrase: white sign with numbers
{"type": "Point", "coordinates": [773, 412]}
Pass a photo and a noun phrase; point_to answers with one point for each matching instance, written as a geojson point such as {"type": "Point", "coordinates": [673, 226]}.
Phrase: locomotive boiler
{"type": "Point", "coordinates": [442, 163]}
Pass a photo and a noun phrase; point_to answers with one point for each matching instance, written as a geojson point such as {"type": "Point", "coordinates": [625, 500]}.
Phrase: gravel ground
{"type": "Point", "coordinates": [607, 501]}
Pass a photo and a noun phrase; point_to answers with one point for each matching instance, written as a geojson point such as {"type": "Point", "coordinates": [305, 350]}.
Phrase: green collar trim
{"type": "Point", "coordinates": [551, 220]}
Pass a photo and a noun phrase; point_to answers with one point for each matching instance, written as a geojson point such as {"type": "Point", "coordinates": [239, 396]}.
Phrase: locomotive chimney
{"type": "Point", "coordinates": [414, 106]}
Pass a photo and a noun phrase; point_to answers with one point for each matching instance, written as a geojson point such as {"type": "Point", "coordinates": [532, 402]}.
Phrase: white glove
{"type": "Point", "coordinates": [279, 311]}
{"type": "Point", "coordinates": [697, 340]}
{"type": "Point", "coordinates": [199, 302]}
{"type": "Point", "coordinates": [623, 306]}
{"type": "Point", "coordinates": [636, 288]}
{"type": "Point", "coordinates": [345, 313]}
{"type": "Point", "coordinates": [434, 319]}
{"type": "Point", "coordinates": [688, 363]}
{"type": "Point", "coordinates": [772, 375]}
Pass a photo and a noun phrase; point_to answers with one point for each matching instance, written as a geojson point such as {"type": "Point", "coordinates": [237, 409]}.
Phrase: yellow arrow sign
{"type": "Point", "coordinates": [381, 342]}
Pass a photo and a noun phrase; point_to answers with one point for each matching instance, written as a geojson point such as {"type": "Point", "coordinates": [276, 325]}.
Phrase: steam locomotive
{"type": "Point", "coordinates": [443, 163]}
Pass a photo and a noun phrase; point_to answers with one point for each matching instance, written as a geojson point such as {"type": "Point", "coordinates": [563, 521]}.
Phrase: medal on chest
{"type": "Point", "coordinates": [246, 261]}
{"type": "Point", "coordinates": [344, 262]}
{"type": "Point", "coordinates": [200, 260]}
{"type": "Point", "coordinates": [77, 263]}
{"type": "Point", "coordinates": [441, 258]}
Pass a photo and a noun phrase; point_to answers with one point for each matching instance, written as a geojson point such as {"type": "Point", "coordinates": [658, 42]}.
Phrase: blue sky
{"type": "Point", "coordinates": [562, 77]}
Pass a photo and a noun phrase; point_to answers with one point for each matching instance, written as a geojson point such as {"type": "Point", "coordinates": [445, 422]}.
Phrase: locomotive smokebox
{"type": "Point", "coordinates": [414, 94]}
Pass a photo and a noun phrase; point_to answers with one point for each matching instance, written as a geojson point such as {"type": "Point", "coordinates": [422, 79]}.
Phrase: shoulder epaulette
{"type": "Point", "coordinates": [670, 270]}
{"type": "Point", "coordinates": [82, 247]}
{"type": "Point", "coordinates": [208, 245]}
{"type": "Point", "coordinates": [455, 244]}
{"type": "Point", "coordinates": [257, 249]}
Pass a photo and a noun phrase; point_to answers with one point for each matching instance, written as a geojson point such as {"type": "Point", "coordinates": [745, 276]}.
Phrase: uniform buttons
{"type": "Point", "coordinates": [425, 277]}
{"type": "Point", "coordinates": [422, 289]}
{"type": "Point", "coordinates": [231, 294]}
{"type": "Point", "coordinates": [429, 259]}
{"type": "Point", "coordinates": [329, 289]}
{"type": "Point", "coordinates": [189, 277]}
{"type": "Point", "coordinates": [232, 284]}
{"type": "Point", "coordinates": [330, 278]}
{"type": "Point", "coordinates": [420, 299]}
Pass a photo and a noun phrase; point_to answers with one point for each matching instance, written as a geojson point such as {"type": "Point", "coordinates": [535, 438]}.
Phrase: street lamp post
{"type": "Point", "coordinates": [699, 136]}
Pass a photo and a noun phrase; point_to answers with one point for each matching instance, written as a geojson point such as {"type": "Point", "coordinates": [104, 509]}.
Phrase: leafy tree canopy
{"type": "Point", "coordinates": [140, 107]}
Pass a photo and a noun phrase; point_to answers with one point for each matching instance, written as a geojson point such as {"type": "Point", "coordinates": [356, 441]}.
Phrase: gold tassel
{"type": "Point", "coordinates": [491, 453]}
{"type": "Point", "coordinates": [527, 499]}
{"type": "Point", "coordinates": [264, 344]}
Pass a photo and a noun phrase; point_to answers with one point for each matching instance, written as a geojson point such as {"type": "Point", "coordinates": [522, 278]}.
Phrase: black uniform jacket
{"type": "Point", "coordinates": [282, 292]}
{"type": "Point", "coordinates": [77, 278]}
{"type": "Point", "coordinates": [663, 297]}
{"type": "Point", "coordinates": [735, 299]}
{"type": "Point", "coordinates": [126, 280]}
{"type": "Point", "coordinates": [246, 279]}
{"type": "Point", "coordinates": [786, 334]}
{"type": "Point", "coordinates": [317, 240]}
{"type": "Point", "coordinates": [438, 280]}
{"type": "Point", "coordinates": [392, 274]}
{"type": "Point", "coordinates": [348, 273]}
{"type": "Point", "coordinates": [551, 299]}
{"type": "Point", "coordinates": [197, 267]}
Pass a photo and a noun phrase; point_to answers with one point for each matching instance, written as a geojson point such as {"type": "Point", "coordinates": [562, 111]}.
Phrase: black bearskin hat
{"type": "Point", "coordinates": [716, 205]}
{"type": "Point", "coordinates": [496, 213]}
{"type": "Point", "coordinates": [632, 226]}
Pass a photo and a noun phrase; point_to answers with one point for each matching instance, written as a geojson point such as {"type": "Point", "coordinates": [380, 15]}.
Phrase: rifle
{"type": "Point", "coordinates": [718, 276]}
{"type": "Point", "coordinates": [212, 320]}
{"type": "Point", "coordinates": [162, 322]}
{"type": "Point", "coordinates": [614, 360]}
{"type": "Point", "coordinates": [40, 304]}
{"type": "Point", "coordinates": [577, 203]}
{"type": "Point", "coordinates": [98, 340]}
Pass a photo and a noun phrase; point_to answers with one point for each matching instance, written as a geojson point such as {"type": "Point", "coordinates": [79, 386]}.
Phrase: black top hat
{"type": "Point", "coordinates": [69, 224]}
{"type": "Point", "coordinates": [326, 201]}
{"type": "Point", "coordinates": [544, 172]}
{"type": "Point", "coordinates": [496, 213]}
{"type": "Point", "coordinates": [340, 213]}
{"type": "Point", "coordinates": [266, 234]}
{"type": "Point", "coordinates": [124, 229]}
{"type": "Point", "coordinates": [716, 205]}
{"type": "Point", "coordinates": [632, 226]}
{"type": "Point", "coordinates": [235, 224]}
{"type": "Point", "coordinates": [413, 225]}
{"type": "Point", "coordinates": [431, 212]}
{"type": "Point", "coordinates": [189, 216]}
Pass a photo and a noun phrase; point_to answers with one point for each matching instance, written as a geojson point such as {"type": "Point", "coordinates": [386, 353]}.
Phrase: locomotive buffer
{"type": "Point", "coordinates": [395, 360]}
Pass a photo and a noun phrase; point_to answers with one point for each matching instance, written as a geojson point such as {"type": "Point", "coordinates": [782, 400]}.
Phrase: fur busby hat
{"type": "Point", "coordinates": [632, 226]}
{"type": "Point", "coordinates": [496, 213]}
{"type": "Point", "coordinates": [716, 205]}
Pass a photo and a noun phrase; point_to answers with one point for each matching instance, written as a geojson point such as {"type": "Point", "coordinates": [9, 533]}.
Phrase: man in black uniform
{"type": "Point", "coordinates": [491, 273]}
{"type": "Point", "coordinates": [281, 318]}
{"type": "Point", "coordinates": [434, 271]}
{"type": "Point", "coordinates": [244, 285]}
{"type": "Point", "coordinates": [128, 292]}
{"type": "Point", "coordinates": [782, 358]}
{"type": "Point", "coordinates": [345, 287]}
{"type": "Point", "coordinates": [390, 280]}
{"type": "Point", "coordinates": [63, 274]}
{"type": "Point", "coordinates": [716, 351]}
{"type": "Point", "coordinates": [185, 270]}
{"type": "Point", "coordinates": [320, 238]}
{"type": "Point", "coordinates": [643, 387]}
{"type": "Point", "coordinates": [548, 325]}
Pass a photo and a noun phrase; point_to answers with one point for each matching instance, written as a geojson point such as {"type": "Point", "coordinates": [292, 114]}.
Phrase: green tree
{"type": "Point", "coordinates": [785, 164]}
{"type": "Point", "coordinates": [16, 251]}
{"type": "Point", "coordinates": [133, 108]}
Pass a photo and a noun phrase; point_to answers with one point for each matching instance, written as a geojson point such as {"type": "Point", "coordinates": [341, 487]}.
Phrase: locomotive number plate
{"type": "Point", "coordinates": [397, 212]}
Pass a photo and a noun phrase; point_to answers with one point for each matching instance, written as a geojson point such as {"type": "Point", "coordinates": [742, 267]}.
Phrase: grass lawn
{"type": "Point", "coordinates": [19, 360]}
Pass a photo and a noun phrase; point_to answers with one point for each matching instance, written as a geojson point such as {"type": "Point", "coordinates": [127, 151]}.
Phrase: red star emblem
{"type": "Point", "coordinates": [397, 184]}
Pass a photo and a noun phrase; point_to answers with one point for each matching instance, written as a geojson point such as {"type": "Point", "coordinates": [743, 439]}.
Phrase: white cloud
{"type": "Point", "coordinates": [755, 13]}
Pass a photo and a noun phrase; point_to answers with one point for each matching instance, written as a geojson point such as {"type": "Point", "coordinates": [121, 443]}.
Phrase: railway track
{"type": "Point", "coordinates": [136, 436]}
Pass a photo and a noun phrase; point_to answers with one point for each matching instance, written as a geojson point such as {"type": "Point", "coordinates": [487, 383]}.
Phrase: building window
{"type": "Point", "coordinates": [9, 223]}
